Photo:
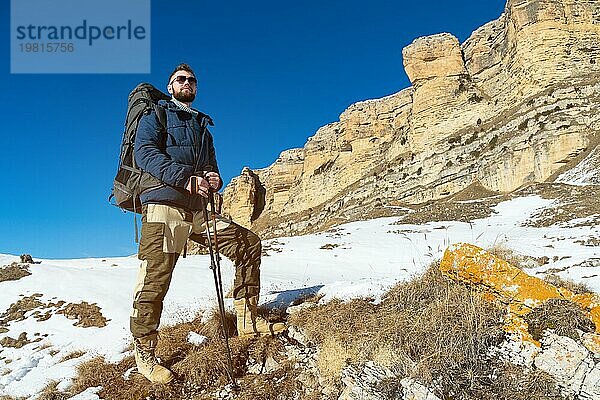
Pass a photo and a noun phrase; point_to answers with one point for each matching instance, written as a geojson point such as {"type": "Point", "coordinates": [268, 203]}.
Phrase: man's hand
{"type": "Point", "coordinates": [198, 185]}
{"type": "Point", "coordinates": [214, 180]}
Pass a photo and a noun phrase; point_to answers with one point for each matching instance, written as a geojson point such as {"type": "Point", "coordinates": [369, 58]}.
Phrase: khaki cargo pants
{"type": "Point", "coordinates": [165, 230]}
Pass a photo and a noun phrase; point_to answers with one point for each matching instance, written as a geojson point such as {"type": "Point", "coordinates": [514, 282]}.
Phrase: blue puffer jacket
{"type": "Point", "coordinates": [187, 149]}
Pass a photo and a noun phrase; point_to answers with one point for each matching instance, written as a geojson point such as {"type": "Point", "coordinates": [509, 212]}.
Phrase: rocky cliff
{"type": "Point", "coordinates": [512, 105]}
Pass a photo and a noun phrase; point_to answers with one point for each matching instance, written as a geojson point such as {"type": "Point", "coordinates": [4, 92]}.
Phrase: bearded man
{"type": "Point", "coordinates": [172, 213]}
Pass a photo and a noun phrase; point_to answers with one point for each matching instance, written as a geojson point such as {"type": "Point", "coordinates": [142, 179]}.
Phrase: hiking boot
{"type": "Point", "coordinates": [250, 324]}
{"type": "Point", "coordinates": [146, 361]}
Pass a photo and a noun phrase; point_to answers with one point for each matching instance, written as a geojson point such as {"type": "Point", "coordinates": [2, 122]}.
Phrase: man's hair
{"type": "Point", "coordinates": [181, 67]}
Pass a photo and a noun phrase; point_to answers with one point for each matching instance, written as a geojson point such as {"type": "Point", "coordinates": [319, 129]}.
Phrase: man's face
{"type": "Point", "coordinates": [183, 86]}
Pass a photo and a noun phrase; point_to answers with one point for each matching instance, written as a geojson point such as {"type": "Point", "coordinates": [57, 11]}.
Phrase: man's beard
{"type": "Point", "coordinates": [186, 96]}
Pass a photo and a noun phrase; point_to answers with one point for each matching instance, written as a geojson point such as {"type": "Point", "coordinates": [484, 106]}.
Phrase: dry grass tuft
{"type": "Point", "coordinates": [14, 272]}
{"type": "Point", "coordinates": [430, 328]}
{"type": "Point", "coordinates": [98, 372]}
{"type": "Point", "coordinates": [564, 316]}
{"type": "Point", "coordinates": [333, 357]}
{"type": "Point", "coordinates": [276, 386]}
{"type": "Point", "coordinates": [578, 288]}
{"type": "Point", "coordinates": [172, 340]}
{"type": "Point", "coordinates": [50, 392]}
{"type": "Point", "coordinates": [200, 371]}
{"type": "Point", "coordinates": [504, 381]}
{"type": "Point", "coordinates": [207, 366]}
{"type": "Point", "coordinates": [212, 328]}
{"type": "Point", "coordinates": [506, 254]}
{"type": "Point", "coordinates": [70, 356]}
{"type": "Point", "coordinates": [87, 315]}
{"type": "Point", "coordinates": [265, 347]}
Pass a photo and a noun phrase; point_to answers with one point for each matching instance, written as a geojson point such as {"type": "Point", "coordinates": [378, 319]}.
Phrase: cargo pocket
{"type": "Point", "coordinates": [151, 243]}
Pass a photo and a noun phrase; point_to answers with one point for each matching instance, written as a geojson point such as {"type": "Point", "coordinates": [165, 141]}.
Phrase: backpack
{"type": "Point", "coordinates": [130, 180]}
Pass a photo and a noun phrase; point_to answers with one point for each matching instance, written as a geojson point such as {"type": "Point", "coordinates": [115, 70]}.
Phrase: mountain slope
{"type": "Point", "coordinates": [360, 259]}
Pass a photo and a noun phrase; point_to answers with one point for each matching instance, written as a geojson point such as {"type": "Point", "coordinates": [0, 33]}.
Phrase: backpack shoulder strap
{"type": "Point", "coordinates": [161, 116]}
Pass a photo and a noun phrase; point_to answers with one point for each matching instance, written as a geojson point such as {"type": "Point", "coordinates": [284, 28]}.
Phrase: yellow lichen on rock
{"type": "Point", "coordinates": [521, 292]}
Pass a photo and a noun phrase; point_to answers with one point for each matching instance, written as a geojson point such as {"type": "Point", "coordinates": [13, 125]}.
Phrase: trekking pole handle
{"type": "Point", "coordinates": [208, 172]}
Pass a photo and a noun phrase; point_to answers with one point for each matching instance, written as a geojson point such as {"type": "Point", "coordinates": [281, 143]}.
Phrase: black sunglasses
{"type": "Point", "coordinates": [181, 79]}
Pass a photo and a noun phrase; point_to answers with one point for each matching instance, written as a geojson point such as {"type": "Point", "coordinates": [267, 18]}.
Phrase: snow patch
{"type": "Point", "coordinates": [196, 339]}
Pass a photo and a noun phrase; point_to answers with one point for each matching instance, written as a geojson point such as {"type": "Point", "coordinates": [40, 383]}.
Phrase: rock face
{"type": "Point", "coordinates": [575, 369]}
{"type": "Point", "coordinates": [244, 198]}
{"type": "Point", "coordinates": [512, 105]}
{"type": "Point", "coordinates": [572, 365]}
{"type": "Point", "coordinates": [587, 172]}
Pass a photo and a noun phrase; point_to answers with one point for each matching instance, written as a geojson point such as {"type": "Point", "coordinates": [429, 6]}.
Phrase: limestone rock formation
{"type": "Point", "coordinates": [509, 284]}
{"type": "Point", "coordinates": [514, 104]}
{"type": "Point", "coordinates": [575, 369]}
{"type": "Point", "coordinates": [572, 363]}
{"type": "Point", "coordinates": [243, 201]}
{"type": "Point", "coordinates": [413, 390]}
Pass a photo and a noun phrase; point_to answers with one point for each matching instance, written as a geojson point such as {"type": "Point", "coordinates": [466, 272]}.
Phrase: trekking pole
{"type": "Point", "coordinates": [215, 267]}
{"type": "Point", "coordinates": [211, 199]}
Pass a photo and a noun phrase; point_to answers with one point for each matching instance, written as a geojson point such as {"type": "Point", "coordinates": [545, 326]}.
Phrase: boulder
{"type": "Point", "coordinates": [504, 282]}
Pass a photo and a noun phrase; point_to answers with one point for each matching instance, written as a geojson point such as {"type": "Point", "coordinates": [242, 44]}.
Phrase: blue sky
{"type": "Point", "coordinates": [270, 74]}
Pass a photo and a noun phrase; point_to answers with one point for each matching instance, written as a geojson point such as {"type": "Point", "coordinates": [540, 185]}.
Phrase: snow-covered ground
{"type": "Point", "coordinates": [363, 259]}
